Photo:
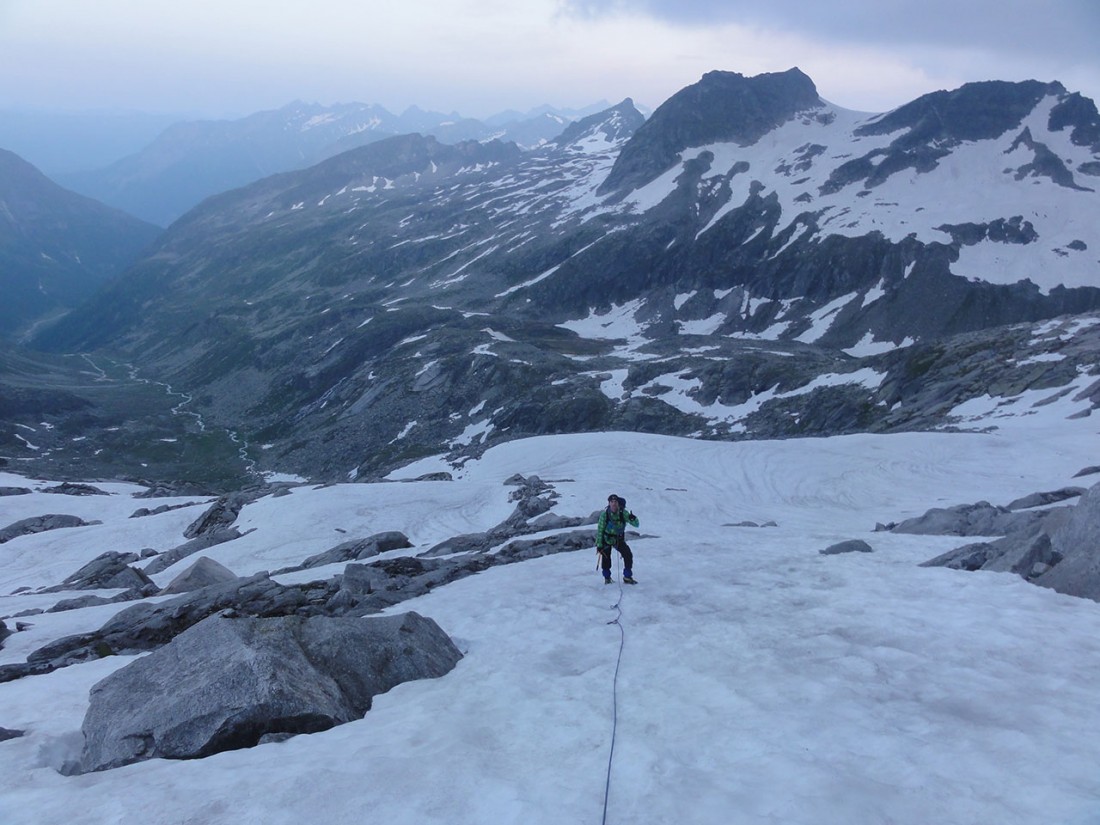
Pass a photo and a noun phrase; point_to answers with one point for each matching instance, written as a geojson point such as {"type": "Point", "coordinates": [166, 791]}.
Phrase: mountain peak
{"type": "Point", "coordinates": [975, 111]}
{"type": "Point", "coordinates": [721, 107]}
{"type": "Point", "coordinates": [613, 125]}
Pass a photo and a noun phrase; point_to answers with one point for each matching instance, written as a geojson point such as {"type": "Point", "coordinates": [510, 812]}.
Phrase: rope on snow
{"type": "Point", "coordinates": [614, 690]}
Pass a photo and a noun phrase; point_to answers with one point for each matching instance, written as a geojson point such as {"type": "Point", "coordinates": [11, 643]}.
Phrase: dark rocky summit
{"type": "Point", "coordinates": [722, 106]}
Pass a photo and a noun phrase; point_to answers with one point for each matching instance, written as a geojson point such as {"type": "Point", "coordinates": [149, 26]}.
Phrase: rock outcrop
{"type": "Point", "coordinates": [208, 539]}
{"type": "Point", "coordinates": [981, 519]}
{"type": "Point", "coordinates": [355, 550]}
{"type": "Point", "coordinates": [1058, 548]}
{"type": "Point", "coordinates": [40, 524]}
{"type": "Point", "coordinates": [1077, 539]}
{"type": "Point", "coordinates": [107, 571]}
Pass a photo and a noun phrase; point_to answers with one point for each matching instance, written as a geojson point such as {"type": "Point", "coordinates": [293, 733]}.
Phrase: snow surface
{"type": "Point", "coordinates": [760, 681]}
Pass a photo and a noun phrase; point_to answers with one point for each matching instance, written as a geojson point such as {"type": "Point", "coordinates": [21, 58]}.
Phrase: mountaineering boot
{"type": "Point", "coordinates": [607, 580]}
{"type": "Point", "coordinates": [629, 580]}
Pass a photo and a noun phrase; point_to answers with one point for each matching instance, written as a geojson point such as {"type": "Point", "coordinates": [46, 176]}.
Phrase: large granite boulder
{"type": "Point", "coordinates": [226, 683]}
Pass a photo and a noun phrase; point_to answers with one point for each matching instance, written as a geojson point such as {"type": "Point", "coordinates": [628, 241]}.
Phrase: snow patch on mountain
{"type": "Point", "coordinates": [869, 346]}
{"type": "Point", "coordinates": [977, 182]}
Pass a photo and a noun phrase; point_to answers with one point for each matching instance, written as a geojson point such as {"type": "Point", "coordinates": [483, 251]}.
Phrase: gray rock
{"type": "Point", "coordinates": [850, 546]}
{"type": "Point", "coordinates": [218, 516]}
{"type": "Point", "coordinates": [530, 516]}
{"type": "Point", "coordinates": [106, 571]}
{"type": "Point", "coordinates": [1021, 552]}
{"type": "Point", "coordinates": [968, 557]}
{"type": "Point", "coordinates": [524, 549]}
{"type": "Point", "coordinates": [146, 626]}
{"type": "Point", "coordinates": [981, 519]}
{"type": "Point", "coordinates": [356, 579]}
{"type": "Point", "coordinates": [79, 602]}
{"type": "Point", "coordinates": [68, 488]}
{"type": "Point", "coordinates": [342, 602]}
{"type": "Point", "coordinates": [355, 550]}
{"type": "Point", "coordinates": [40, 524]}
{"type": "Point", "coordinates": [1018, 552]}
{"type": "Point", "coordinates": [1077, 541]}
{"type": "Point", "coordinates": [196, 545]}
{"type": "Point", "coordinates": [141, 512]}
{"type": "Point", "coordinates": [1087, 471]}
{"type": "Point", "coordinates": [227, 683]}
{"type": "Point", "coordinates": [465, 543]}
{"type": "Point", "coordinates": [6, 734]}
{"type": "Point", "coordinates": [1041, 499]}
{"type": "Point", "coordinates": [174, 490]}
{"type": "Point", "coordinates": [4, 632]}
{"type": "Point", "coordinates": [14, 491]}
{"type": "Point", "coordinates": [202, 573]}
{"type": "Point", "coordinates": [382, 584]}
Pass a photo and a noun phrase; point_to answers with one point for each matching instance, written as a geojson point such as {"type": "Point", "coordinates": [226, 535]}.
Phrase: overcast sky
{"type": "Point", "coordinates": [227, 58]}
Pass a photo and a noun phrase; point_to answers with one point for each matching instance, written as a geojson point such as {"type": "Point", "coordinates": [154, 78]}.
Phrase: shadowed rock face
{"type": "Point", "coordinates": [226, 683]}
{"type": "Point", "coordinates": [1077, 540]}
{"type": "Point", "coordinates": [56, 246]}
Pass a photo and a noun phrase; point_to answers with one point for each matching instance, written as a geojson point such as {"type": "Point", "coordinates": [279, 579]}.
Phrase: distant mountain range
{"type": "Point", "coordinates": [60, 143]}
{"type": "Point", "coordinates": [192, 160]}
{"type": "Point", "coordinates": [749, 262]}
{"type": "Point", "coordinates": [56, 247]}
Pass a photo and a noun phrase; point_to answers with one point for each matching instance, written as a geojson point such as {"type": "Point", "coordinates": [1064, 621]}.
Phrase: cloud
{"type": "Point", "coordinates": [1054, 29]}
{"type": "Point", "coordinates": [874, 54]}
{"type": "Point", "coordinates": [477, 57]}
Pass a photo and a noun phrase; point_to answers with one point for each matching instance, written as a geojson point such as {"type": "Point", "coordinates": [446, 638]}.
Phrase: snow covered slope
{"type": "Point", "coordinates": [760, 681]}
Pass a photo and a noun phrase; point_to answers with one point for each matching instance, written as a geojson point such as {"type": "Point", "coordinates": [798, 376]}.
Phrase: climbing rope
{"type": "Point", "coordinates": [614, 690]}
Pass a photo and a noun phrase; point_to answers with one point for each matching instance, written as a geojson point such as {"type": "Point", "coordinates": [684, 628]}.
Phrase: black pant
{"type": "Point", "coordinates": [624, 550]}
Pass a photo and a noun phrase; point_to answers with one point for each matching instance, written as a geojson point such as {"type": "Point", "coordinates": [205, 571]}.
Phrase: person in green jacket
{"type": "Point", "coordinates": [611, 533]}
